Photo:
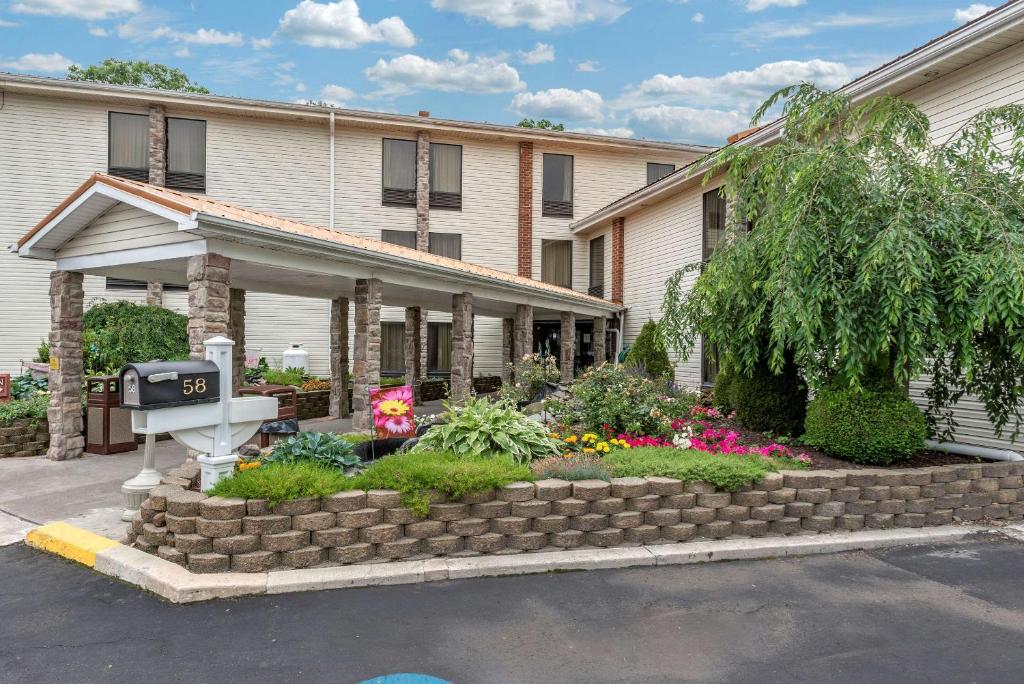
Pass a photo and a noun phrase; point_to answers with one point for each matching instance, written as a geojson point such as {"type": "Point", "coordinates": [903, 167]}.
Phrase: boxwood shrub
{"type": "Point", "coordinates": [765, 401]}
{"type": "Point", "coordinates": [871, 426]}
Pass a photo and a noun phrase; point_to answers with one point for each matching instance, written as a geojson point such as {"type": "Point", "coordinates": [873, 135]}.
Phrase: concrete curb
{"type": "Point", "coordinates": [178, 585]}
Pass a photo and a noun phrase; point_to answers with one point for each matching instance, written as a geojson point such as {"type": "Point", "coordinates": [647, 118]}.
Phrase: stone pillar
{"type": "Point", "coordinates": [339, 358]}
{"type": "Point", "coordinates": [64, 414]}
{"type": "Point", "coordinates": [462, 346]}
{"type": "Point", "coordinates": [522, 338]}
{"type": "Point", "coordinates": [567, 346]}
{"type": "Point", "coordinates": [413, 351]}
{"type": "Point", "coordinates": [600, 337]}
{"type": "Point", "coordinates": [209, 276]}
{"type": "Point", "coordinates": [154, 294]}
{"type": "Point", "coordinates": [366, 351]}
{"type": "Point", "coordinates": [423, 191]}
{"type": "Point", "coordinates": [618, 258]}
{"type": "Point", "coordinates": [507, 333]}
{"type": "Point", "coordinates": [157, 144]}
{"type": "Point", "coordinates": [236, 333]}
{"type": "Point", "coordinates": [525, 239]}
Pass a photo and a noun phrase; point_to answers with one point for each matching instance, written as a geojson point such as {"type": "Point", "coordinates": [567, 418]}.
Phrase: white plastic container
{"type": "Point", "coordinates": [295, 357]}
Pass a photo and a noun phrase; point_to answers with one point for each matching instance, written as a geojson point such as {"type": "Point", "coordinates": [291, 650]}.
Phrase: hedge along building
{"type": "Point", "coordinates": [679, 219]}
{"type": "Point", "coordinates": [221, 252]}
{"type": "Point", "coordinates": [465, 190]}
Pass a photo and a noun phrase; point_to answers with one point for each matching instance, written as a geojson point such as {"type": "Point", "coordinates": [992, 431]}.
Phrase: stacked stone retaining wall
{"type": "Point", "coordinates": [211, 534]}
{"type": "Point", "coordinates": [24, 437]}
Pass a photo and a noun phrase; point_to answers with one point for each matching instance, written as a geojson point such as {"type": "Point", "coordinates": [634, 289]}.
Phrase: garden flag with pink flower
{"type": "Point", "coordinates": [392, 411]}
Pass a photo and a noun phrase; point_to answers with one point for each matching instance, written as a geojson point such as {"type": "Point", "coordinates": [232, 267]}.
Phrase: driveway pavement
{"type": "Point", "coordinates": [923, 614]}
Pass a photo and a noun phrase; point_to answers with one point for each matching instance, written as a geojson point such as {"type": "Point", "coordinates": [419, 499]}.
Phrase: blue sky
{"type": "Point", "coordinates": [686, 70]}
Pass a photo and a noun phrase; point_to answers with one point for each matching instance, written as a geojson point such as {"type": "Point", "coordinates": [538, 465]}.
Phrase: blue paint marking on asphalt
{"type": "Point", "coordinates": [406, 678]}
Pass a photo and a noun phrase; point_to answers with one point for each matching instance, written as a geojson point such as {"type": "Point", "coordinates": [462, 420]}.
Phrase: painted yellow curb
{"type": "Point", "coordinates": [69, 541]}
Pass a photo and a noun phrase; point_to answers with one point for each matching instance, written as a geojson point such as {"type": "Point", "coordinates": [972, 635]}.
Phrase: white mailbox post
{"type": "Point", "coordinates": [214, 429]}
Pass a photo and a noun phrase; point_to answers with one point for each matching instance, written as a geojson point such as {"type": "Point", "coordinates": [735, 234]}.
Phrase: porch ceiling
{"type": "Point", "coordinates": [271, 254]}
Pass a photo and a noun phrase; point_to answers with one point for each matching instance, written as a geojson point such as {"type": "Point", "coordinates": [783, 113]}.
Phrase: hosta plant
{"type": "Point", "coordinates": [323, 448]}
{"type": "Point", "coordinates": [480, 427]}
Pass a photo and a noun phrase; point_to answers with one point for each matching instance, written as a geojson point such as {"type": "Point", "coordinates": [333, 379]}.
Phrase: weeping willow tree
{"type": "Point", "coordinates": [877, 247]}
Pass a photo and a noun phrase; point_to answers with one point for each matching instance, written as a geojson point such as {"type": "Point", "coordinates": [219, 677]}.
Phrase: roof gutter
{"type": "Point", "coordinates": [872, 83]}
{"type": "Point", "coordinates": [274, 238]}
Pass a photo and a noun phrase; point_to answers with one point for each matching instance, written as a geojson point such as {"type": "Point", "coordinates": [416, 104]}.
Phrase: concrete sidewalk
{"type": "Point", "coordinates": [86, 492]}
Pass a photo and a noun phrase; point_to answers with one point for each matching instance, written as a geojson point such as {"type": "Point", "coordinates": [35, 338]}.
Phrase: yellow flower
{"type": "Point", "coordinates": [554, 435]}
{"type": "Point", "coordinates": [393, 407]}
{"type": "Point", "coordinates": [603, 446]}
{"type": "Point", "coordinates": [571, 439]}
{"type": "Point", "coordinates": [567, 454]}
{"type": "Point", "coordinates": [588, 450]}
{"type": "Point", "coordinates": [626, 445]}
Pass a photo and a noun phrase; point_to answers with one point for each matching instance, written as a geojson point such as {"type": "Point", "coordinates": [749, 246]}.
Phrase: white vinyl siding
{"type": "Point", "coordinates": [123, 227]}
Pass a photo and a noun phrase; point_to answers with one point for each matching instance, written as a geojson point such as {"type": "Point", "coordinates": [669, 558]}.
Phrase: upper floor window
{"type": "Point", "coordinates": [557, 185]}
{"type": "Point", "coordinates": [714, 221]}
{"type": "Point", "coordinates": [186, 154]}
{"type": "Point", "coordinates": [399, 173]}
{"type": "Point", "coordinates": [128, 146]}
{"type": "Point", "coordinates": [556, 262]}
{"type": "Point", "coordinates": [445, 176]}
{"type": "Point", "coordinates": [442, 244]}
{"type": "Point", "coordinates": [597, 267]}
{"type": "Point", "coordinates": [655, 172]}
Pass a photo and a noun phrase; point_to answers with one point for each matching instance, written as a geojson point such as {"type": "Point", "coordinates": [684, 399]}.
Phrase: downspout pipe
{"type": "Point", "coordinates": [988, 453]}
{"type": "Point", "coordinates": [330, 199]}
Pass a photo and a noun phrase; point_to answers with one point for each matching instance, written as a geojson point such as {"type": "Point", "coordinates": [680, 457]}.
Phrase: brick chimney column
{"type": "Point", "coordinates": [525, 239]}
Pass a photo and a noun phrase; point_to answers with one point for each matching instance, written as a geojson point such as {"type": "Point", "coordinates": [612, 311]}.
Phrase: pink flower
{"type": "Point", "coordinates": [392, 411]}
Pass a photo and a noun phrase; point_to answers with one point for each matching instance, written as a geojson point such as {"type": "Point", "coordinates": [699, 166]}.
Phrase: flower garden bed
{"type": "Point", "coordinates": [219, 534]}
{"type": "Point", "coordinates": [317, 403]}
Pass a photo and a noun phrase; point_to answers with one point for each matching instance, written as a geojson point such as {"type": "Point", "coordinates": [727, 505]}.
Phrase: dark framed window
{"type": "Point", "coordinates": [655, 171]}
{"type": "Point", "coordinates": [398, 179]}
{"type": "Point", "coordinates": [556, 262]}
{"type": "Point", "coordinates": [714, 221]}
{"type": "Point", "coordinates": [445, 176]}
{"type": "Point", "coordinates": [708, 362]}
{"type": "Point", "coordinates": [558, 182]}
{"type": "Point", "coordinates": [597, 267]}
{"type": "Point", "coordinates": [392, 348]}
{"type": "Point", "coordinates": [405, 238]}
{"type": "Point", "coordinates": [128, 146]}
{"type": "Point", "coordinates": [439, 348]}
{"type": "Point", "coordinates": [126, 285]}
{"type": "Point", "coordinates": [186, 154]}
{"type": "Point", "coordinates": [446, 245]}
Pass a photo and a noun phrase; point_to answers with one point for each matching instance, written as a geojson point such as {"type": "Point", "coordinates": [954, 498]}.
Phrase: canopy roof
{"type": "Point", "coordinates": [272, 254]}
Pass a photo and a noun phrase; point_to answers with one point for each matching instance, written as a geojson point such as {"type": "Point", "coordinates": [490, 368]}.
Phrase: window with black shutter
{"type": "Point", "coordinates": [558, 181]}
{"type": "Point", "coordinates": [186, 154]}
{"type": "Point", "coordinates": [596, 267]}
{"type": "Point", "coordinates": [399, 173]}
{"type": "Point", "coordinates": [445, 176]}
{"type": "Point", "coordinates": [128, 146]}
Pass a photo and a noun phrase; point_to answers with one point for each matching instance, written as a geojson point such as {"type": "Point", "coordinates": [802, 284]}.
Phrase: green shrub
{"type": "Point", "coordinates": [25, 386]}
{"type": "Point", "coordinates": [766, 402]}
{"type": "Point", "coordinates": [288, 376]}
{"type": "Point", "coordinates": [279, 482]}
{"type": "Point", "coordinates": [416, 473]}
{"type": "Point", "coordinates": [722, 394]}
{"type": "Point", "coordinates": [117, 333]}
{"type": "Point", "coordinates": [33, 407]}
{"type": "Point", "coordinates": [622, 398]}
{"type": "Point", "coordinates": [529, 374]}
{"type": "Point", "coordinates": [577, 467]}
{"type": "Point", "coordinates": [648, 353]}
{"type": "Point", "coordinates": [327, 449]}
{"type": "Point", "coordinates": [42, 352]}
{"type": "Point", "coordinates": [725, 471]}
{"type": "Point", "coordinates": [872, 426]}
{"type": "Point", "coordinates": [481, 427]}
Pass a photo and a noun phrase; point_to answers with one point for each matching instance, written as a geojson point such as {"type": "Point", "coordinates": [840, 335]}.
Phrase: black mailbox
{"type": "Point", "coordinates": [162, 384]}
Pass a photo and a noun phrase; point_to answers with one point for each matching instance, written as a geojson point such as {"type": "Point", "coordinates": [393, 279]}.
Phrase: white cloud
{"type": "Point", "coordinates": [183, 52]}
{"type": "Point", "coordinates": [336, 95]}
{"type": "Point", "coordinates": [687, 123]}
{"type": "Point", "coordinates": [35, 62]}
{"type": "Point", "coordinates": [338, 25]}
{"type": "Point", "coordinates": [458, 73]}
{"type": "Point", "coordinates": [589, 66]}
{"type": "Point", "coordinates": [561, 103]}
{"type": "Point", "coordinates": [736, 88]}
{"type": "Point", "coordinates": [541, 52]}
{"type": "Point", "coordinates": [760, 33]}
{"type": "Point", "coordinates": [7, 24]}
{"type": "Point", "coordinates": [620, 132]}
{"type": "Point", "coordinates": [697, 18]}
{"type": "Point", "coordinates": [539, 15]}
{"type": "Point", "coordinates": [81, 9]}
{"type": "Point", "coordinates": [98, 31]}
{"type": "Point", "coordinates": [135, 31]}
{"type": "Point", "coordinates": [758, 5]}
{"type": "Point", "coordinates": [971, 12]}
{"type": "Point", "coordinates": [261, 43]}
{"type": "Point", "coordinates": [300, 87]}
